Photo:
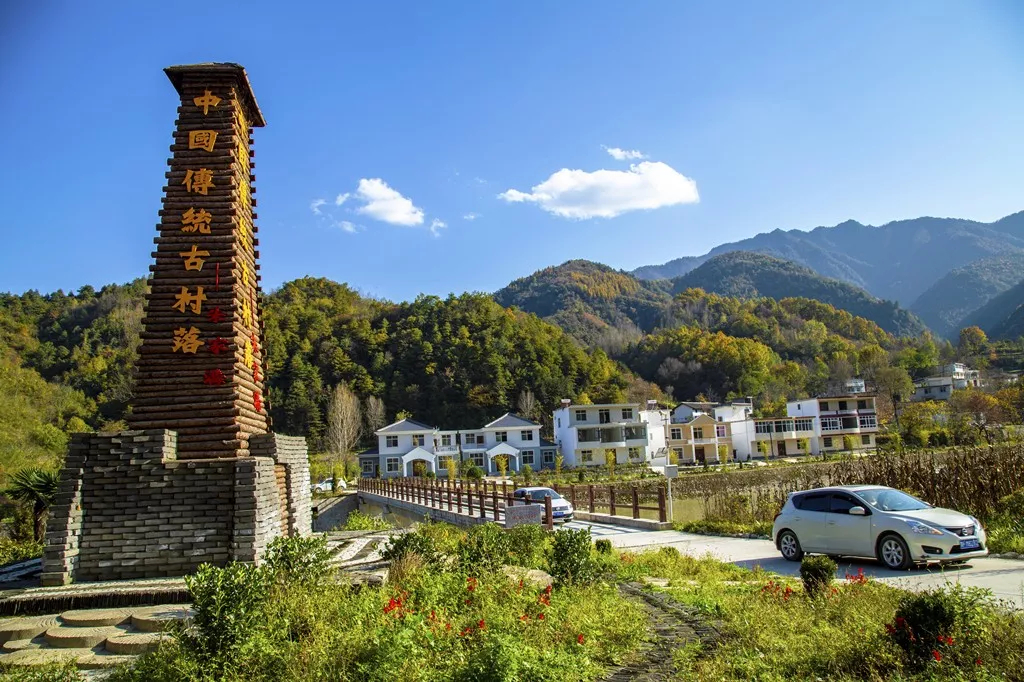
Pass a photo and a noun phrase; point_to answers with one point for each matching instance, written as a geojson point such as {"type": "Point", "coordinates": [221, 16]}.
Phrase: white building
{"type": "Point", "coordinates": [592, 435]}
{"type": "Point", "coordinates": [408, 447]}
{"type": "Point", "coordinates": [952, 377]}
{"type": "Point", "coordinates": [684, 413]}
{"type": "Point", "coordinates": [846, 422]}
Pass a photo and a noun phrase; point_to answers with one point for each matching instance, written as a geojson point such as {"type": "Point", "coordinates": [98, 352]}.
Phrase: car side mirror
{"type": "Point", "coordinates": [858, 511]}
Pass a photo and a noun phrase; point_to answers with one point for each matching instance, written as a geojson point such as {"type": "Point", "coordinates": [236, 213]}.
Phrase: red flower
{"type": "Point", "coordinates": [522, 617]}
{"type": "Point", "coordinates": [977, 661]}
{"type": "Point", "coordinates": [470, 584]}
{"type": "Point", "coordinates": [890, 629]}
{"type": "Point", "coordinates": [540, 616]}
{"type": "Point", "coordinates": [482, 625]}
{"type": "Point", "coordinates": [936, 655]}
{"type": "Point", "coordinates": [547, 590]}
{"type": "Point", "coordinates": [544, 599]}
{"type": "Point", "coordinates": [901, 621]}
{"type": "Point", "coordinates": [579, 639]}
{"type": "Point", "coordinates": [447, 626]}
{"type": "Point", "coordinates": [469, 601]}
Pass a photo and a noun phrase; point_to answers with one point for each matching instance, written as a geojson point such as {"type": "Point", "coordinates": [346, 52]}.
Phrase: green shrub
{"type": "Point", "coordinates": [931, 621]}
{"type": "Point", "coordinates": [527, 545]}
{"type": "Point", "coordinates": [483, 548]}
{"type": "Point", "coordinates": [357, 520]}
{"type": "Point", "coordinates": [527, 472]}
{"type": "Point", "coordinates": [230, 604]}
{"type": "Point", "coordinates": [938, 439]}
{"type": "Point", "coordinates": [13, 550]}
{"type": "Point", "coordinates": [580, 475]}
{"type": "Point", "coordinates": [430, 475]}
{"type": "Point", "coordinates": [299, 559]}
{"type": "Point", "coordinates": [52, 672]}
{"type": "Point", "coordinates": [420, 543]}
{"type": "Point", "coordinates": [570, 557]}
{"type": "Point", "coordinates": [603, 546]}
{"type": "Point", "coordinates": [474, 473]}
{"type": "Point", "coordinates": [817, 572]}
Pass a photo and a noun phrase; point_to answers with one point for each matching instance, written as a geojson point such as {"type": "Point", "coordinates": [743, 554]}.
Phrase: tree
{"type": "Point", "coordinates": [374, 414]}
{"type": "Point", "coordinates": [37, 487]}
{"type": "Point", "coordinates": [894, 386]}
{"type": "Point", "coordinates": [973, 342]}
{"type": "Point", "coordinates": [527, 403]}
{"type": "Point", "coordinates": [344, 423]}
{"type": "Point", "coordinates": [501, 461]}
{"type": "Point", "coordinates": [981, 410]}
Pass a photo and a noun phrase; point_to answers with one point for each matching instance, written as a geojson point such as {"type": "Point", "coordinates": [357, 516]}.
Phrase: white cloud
{"type": "Point", "coordinates": [624, 154]}
{"type": "Point", "coordinates": [315, 206]}
{"type": "Point", "coordinates": [341, 199]}
{"type": "Point", "coordinates": [436, 226]}
{"type": "Point", "coordinates": [471, 216]}
{"type": "Point", "coordinates": [348, 227]}
{"type": "Point", "coordinates": [385, 204]}
{"type": "Point", "coordinates": [608, 193]}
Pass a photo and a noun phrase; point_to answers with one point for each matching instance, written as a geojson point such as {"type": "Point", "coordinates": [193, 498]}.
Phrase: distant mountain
{"type": "Point", "coordinates": [592, 302]}
{"type": "Point", "coordinates": [964, 290]}
{"type": "Point", "coordinates": [1003, 316]}
{"type": "Point", "coordinates": [746, 275]}
{"type": "Point", "coordinates": [898, 261]}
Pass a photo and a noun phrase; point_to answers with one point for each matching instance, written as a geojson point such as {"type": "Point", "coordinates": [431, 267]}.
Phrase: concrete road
{"type": "Point", "coordinates": [1004, 577]}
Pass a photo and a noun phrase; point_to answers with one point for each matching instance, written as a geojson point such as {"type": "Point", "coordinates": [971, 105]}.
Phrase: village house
{"type": "Point", "coordinates": [952, 377]}
{"type": "Point", "coordinates": [701, 440]}
{"type": "Point", "coordinates": [593, 435]}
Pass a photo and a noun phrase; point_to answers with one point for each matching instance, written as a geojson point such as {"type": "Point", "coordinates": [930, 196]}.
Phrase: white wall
{"type": "Point", "coordinates": [803, 408]}
{"type": "Point", "coordinates": [733, 413]}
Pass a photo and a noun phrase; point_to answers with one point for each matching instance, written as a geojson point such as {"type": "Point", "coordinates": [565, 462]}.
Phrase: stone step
{"type": "Point", "coordinates": [26, 627]}
{"type": "Point", "coordinates": [91, 618]}
{"type": "Point", "coordinates": [158, 618]}
{"type": "Point", "coordinates": [86, 659]}
{"type": "Point", "coordinates": [134, 643]}
{"type": "Point", "coordinates": [63, 637]}
{"type": "Point", "coordinates": [19, 644]}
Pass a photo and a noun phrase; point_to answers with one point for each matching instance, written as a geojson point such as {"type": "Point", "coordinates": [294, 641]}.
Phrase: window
{"type": "Point", "coordinates": [501, 436]}
{"type": "Point", "coordinates": [783, 425]}
{"type": "Point", "coordinates": [634, 453]}
{"type": "Point", "coordinates": [862, 404]}
{"type": "Point", "coordinates": [865, 440]}
{"type": "Point", "coordinates": [581, 415]}
{"type": "Point", "coordinates": [678, 452]}
{"type": "Point", "coordinates": [480, 439]}
{"type": "Point", "coordinates": [720, 432]}
{"type": "Point", "coordinates": [526, 435]}
{"type": "Point", "coordinates": [586, 455]}
{"type": "Point", "coordinates": [943, 389]}
{"type": "Point", "coordinates": [842, 404]}
{"type": "Point", "coordinates": [627, 414]}
{"type": "Point", "coordinates": [417, 441]}
{"type": "Point", "coordinates": [391, 441]}
{"type": "Point", "coordinates": [549, 456]}
{"type": "Point", "coordinates": [868, 421]}
{"type": "Point", "coordinates": [604, 416]}
{"type": "Point", "coordinates": [816, 502]}
{"type": "Point", "coordinates": [842, 504]}
{"type": "Point", "coordinates": [804, 424]}
{"type": "Point", "coordinates": [831, 424]}
{"type": "Point", "coordinates": [527, 456]}
{"type": "Point", "coordinates": [675, 434]}
{"type": "Point", "coordinates": [823, 406]}
{"type": "Point", "coordinates": [393, 464]}
{"type": "Point", "coordinates": [827, 441]}
{"type": "Point", "coordinates": [367, 466]}
{"type": "Point", "coordinates": [698, 432]}
{"type": "Point", "coordinates": [446, 441]}
{"type": "Point", "coordinates": [443, 462]}
{"type": "Point", "coordinates": [478, 458]}
{"type": "Point", "coordinates": [927, 390]}
{"type": "Point", "coordinates": [469, 439]}
{"type": "Point", "coordinates": [559, 420]}
{"type": "Point", "coordinates": [762, 427]}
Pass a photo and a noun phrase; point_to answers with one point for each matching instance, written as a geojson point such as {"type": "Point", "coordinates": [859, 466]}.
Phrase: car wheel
{"type": "Point", "coordinates": [894, 553]}
{"type": "Point", "coordinates": [790, 546]}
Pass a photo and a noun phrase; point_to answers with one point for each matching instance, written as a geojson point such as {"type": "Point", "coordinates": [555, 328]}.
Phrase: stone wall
{"type": "Point", "coordinates": [129, 508]}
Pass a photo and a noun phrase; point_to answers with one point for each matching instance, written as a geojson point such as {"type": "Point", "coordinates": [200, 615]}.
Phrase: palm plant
{"type": "Point", "coordinates": [37, 487]}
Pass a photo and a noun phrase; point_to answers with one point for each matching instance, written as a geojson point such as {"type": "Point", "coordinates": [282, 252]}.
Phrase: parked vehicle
{"type": "Point", "coordinates": [875, 521]}
{"type": "Point", "coordinates": [327, 485]}
{"type": "Point", "coordinates": [561, 510]}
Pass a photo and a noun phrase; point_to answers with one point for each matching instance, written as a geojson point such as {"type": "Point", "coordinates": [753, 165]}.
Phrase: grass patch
{"type": "Point", "coordinates": [726, 528]}
{"type": "Point", "coordinates": [357, 520]}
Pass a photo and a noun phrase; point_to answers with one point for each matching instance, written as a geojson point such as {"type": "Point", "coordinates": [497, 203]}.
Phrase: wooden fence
{"type": "Point", "coordinates": [488, 498]}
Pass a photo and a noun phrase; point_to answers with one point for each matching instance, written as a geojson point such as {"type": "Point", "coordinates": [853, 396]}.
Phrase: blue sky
{"type": "Point", "coordinates": [495, 120]}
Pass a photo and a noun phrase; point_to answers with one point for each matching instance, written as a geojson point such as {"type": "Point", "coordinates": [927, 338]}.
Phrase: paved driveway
{"type": "Point", "coordinates": [1004, 577]}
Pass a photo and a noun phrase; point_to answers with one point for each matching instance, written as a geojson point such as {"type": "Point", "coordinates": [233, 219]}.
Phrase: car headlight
{"type": "Point", "coordinates": [922, 528]}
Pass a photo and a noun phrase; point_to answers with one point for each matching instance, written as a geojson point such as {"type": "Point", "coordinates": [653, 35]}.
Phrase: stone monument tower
{"type": "Point", "coordinates": [200, 478]}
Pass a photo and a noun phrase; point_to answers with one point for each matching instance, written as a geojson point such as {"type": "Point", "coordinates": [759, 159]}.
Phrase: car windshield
{"type": "Point", "coordinates": [887, 499]}
{"type": "Point", "coordinates": [540, 494]}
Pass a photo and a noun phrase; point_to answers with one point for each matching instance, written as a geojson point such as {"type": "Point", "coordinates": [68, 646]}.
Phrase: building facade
{"type": "Point", "coordinates": [702, 440]}
{"type": "Point", "coordinates": [594, 435]}
{"type": "Point", "coordinates": [848, 422]}
{"type": "Point", "coordinates": [952, 377]}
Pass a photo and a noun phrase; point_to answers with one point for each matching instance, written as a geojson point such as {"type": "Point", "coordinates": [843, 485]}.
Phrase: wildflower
{"type": "Point", "coordinates": [540, 616]}
{"type": "Point", "coordinates": [579, 640]}
{"type": "Point", "coordinates": [936, 655]}
{"type": "Point", "coordinates": [470, 584]}
{"type": "Point", "coordinates": [482, 625]}
{"type": "Point", "coordinates": [945, 639]}
{"type": "Point", "coordinates": [447, 626]}
{"type": "Point", "coordinates": [522, 617]}
{"type": "Point", "coordinates": [977, 661]}
{"type": "Point", "coordinates": [544, 599]}
{"type": "Point", "coordinates": [889, 629]}
{"type": "Point", "coordinates": [520, 586]}
{"type": "Point", "coordinates": [547, 590]}
{"type": "Point", "coordinates": [469, 601]}
{"type": "Point", "coordinates": [900, 621]}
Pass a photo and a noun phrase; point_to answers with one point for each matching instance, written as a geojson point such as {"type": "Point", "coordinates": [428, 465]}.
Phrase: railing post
{"type": "Point", "coordinates": [662, 516]}
{"type": "Point", "coordinates": [469, 499]}
{"type": "Point", "coordinates": [549, 519]}
{"type": "Point", "coordinates": [448, 492]}
{"type": "Point", "coordinates": [494, 501]}
{"type": "Point", "coordinates": [611, 500]}
{"type": "Point", "coordinates": [636, 504]}
{"type": "Point", "coordinates": [572, 495]}
{"type": "Point", "coordinates": [504, 490]}
{"type": "Point", "coordinates": [483, 504]}
{"type": "Point", "coordinates": [590, 493]}
{"type": "Point", "coordinates": [458, 497]}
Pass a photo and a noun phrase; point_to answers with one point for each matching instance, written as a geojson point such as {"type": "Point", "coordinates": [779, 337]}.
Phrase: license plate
{"type": "Point", "coordinates": [969, 544]}
{"type": "Point", "coordinates": [559, 513]}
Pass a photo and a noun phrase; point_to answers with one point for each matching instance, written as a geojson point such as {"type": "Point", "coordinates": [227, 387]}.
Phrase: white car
{"type": "Point", "coordinates": [561, 510]}
{"type": "Point", "coordinates": [875, 521]}
{"type": "Point", "coordinates": [327, 485]}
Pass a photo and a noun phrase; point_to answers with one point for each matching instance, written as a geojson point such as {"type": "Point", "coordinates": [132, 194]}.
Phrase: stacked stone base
{"type": "Point", "coordinates": [128, 508]}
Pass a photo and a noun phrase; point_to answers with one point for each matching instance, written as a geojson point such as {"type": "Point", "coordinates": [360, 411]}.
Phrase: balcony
{"type": "Point", "coordinates": [446, 449]}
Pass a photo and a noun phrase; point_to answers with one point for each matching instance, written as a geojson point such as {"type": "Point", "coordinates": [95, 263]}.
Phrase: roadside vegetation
{"type": "Point", "coordinates": [357, 520]}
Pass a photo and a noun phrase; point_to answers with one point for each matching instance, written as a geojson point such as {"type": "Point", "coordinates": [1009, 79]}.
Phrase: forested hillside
{"type": "Point", "coordinates": [746, 275]}
{"type": "Point", "coordinates": [1003, 316]}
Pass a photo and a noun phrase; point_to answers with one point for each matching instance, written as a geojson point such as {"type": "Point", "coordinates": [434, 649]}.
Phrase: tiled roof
{"type": "Point", "coordinates": [370, 451]}
{"type": "Point", "coordinates": [509, 420]}
{"type": "Point", "coordinates": [544, 443]}
{"type": "Point", "coordinates": [406, 425]}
